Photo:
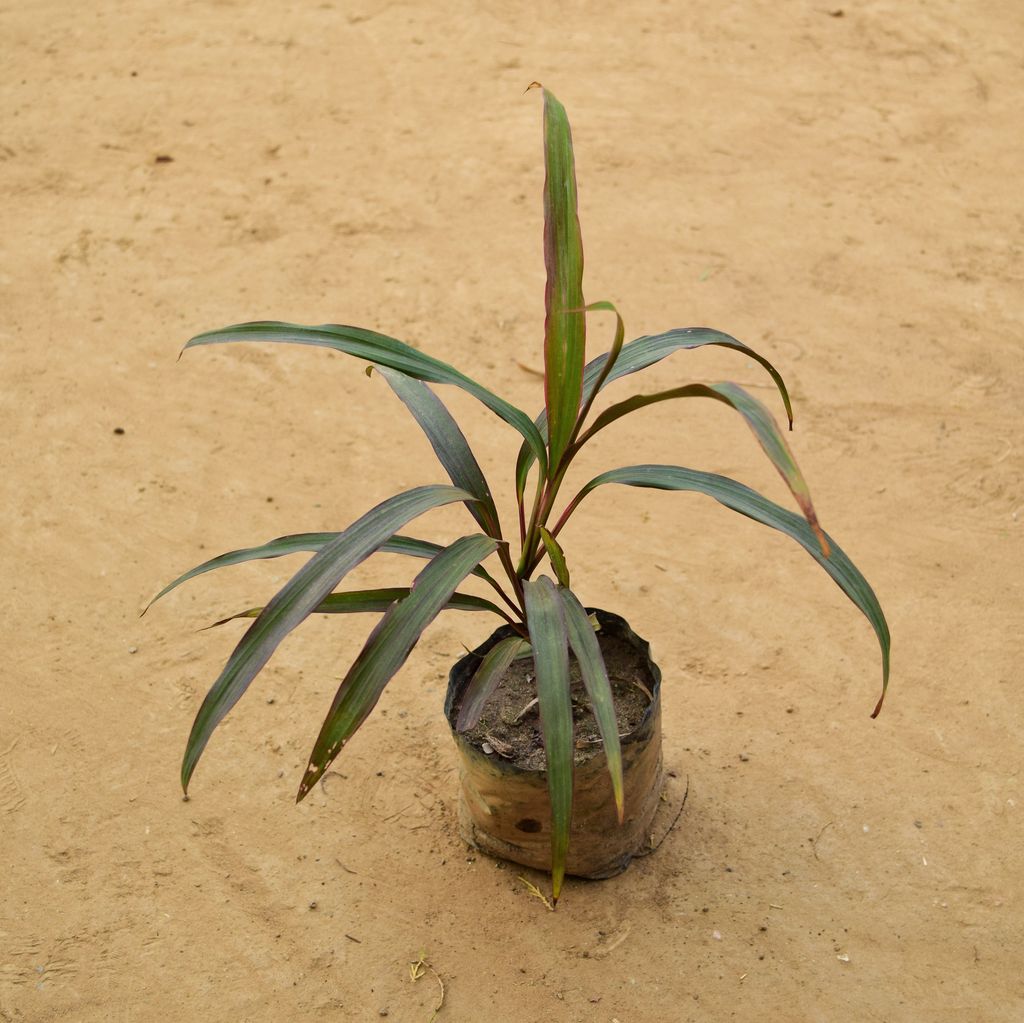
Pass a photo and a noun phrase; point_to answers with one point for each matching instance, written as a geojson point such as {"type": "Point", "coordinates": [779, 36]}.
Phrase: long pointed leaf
{"type": "Point", "coordinates": [564, 322]}
{"type": "Point", "coordinates": [357, 601]}
{"type": "Point", "coordinates": [300, 542]}
{"type": "Point", "coordinates": [638, 355]}
{"type": "Point", "coordinates": [646, 351]}
{"type": "Point", "coordinates": [525, 460]}
{"type": "Point", "coordinates": [595, 678]}
{"type": "Point", "coordinates": [449, 444]}
{"type": "Point", "coordinates": [388, 647]}
{"type": "Point", "coordinates": [384, 351]}
{"type": "Point", "coordinates": [749, 502]}
{"type": "Point", "coordinates": [485, 680]}
{"type": "Point", "coordinates": [545, 618]}
{"type": "Point", "coordinates": [299, 598]}
{"type": "Point", "coordinates": [556, 555]}
{"type": "Point", "coordinates": [758, 418]}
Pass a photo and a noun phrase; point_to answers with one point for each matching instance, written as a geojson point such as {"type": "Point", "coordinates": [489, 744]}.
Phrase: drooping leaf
{"type": "Point", "coordinates": [749, 502]}
{"type": "Point", "coordinates": [646, 351]}
{"type": "Point", "coordinates": [383, 351]}
{"type": "Point", "coordinates": [388, 647]}
{"type": "Point", "coordinates": [638, 355]}
{"type": "Point", "coordinates": [545, 618]}
{"type": "Point", "coordinates": [299, 598]}
{"type": "Point", "coordinates": [611, 356]}
{"type": "Point", "coordinates": [556, 555]}
{"type": "Point", "coordinates": [301, 542]}
{"type": "Point", "coordinates": [357, 601]}
{"type": "Point", "coordinates": [758, 418]}
{"type": "Point", "coordinates": [485, 680]}
{"type": "Point", "coordinates": [587, 649]}
{"type": "Point", "coordinates": [449, 444]}
{"type": "Point", "coordinates": [564, 321]}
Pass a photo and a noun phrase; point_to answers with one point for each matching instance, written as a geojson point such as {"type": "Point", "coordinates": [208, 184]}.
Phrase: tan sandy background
{"type": "Point", "coordinates": [842, 192]}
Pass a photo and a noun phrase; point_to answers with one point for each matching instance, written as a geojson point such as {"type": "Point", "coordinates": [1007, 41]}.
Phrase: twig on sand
{"type": "Point", "coordinates": [655, 846]}
{"type": "Point", "coordinates": [814, 844]}
{"type": "Point", "coordinates": [536, 892]}
{"type": "Point", "coordinates": [417, 968]}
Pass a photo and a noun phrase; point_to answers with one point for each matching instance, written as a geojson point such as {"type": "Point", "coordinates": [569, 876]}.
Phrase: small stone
{"type": "Point", "coordinates": [133, 649]}
{"type": "Point", "coordinates": [487, 748]}
{"type": "Point", "coordinates": [717, 935]}
{"type": "Point", "coordinates": [843, 957]}
{"type": "Point", "coordinates": [382, 1012]}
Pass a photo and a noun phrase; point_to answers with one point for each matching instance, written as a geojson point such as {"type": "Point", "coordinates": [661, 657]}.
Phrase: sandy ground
{"type": "Point", "coordinates": [842, 192]}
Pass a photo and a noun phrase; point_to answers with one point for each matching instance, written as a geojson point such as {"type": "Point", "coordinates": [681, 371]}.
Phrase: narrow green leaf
{"type": "Point", "coordinates": [388, 647]}
{"type": "Point", "coordinates": [748, 502]}
{"type": "Point", "coordinates": [638, 355]}
{"type": "Point", "coordinates": [525, 460]}
{"type": "Point", "coordinates": [758, 418]}
{"type": "Point", "coordinates": [300, 542]}
{"type": "Point", "coordinates": [383, 351]}
{"type": "Point", "coordinates": [556, 555]}
{"type": "Point", "coordinates": [299, 598]}
{"type": "Point", "coordinates": [283, 545]}
{"type": "Point", "coordinates": [485, 680]}
{"type": "Point", "coordinates": [545, 618]}
{"type": "Point", "coordinates": [564, 323]}
{"type": "Point", "coordinates": [595, 677]}
{"type": "Point", "coordinates": [357, 601]}
{"type": "Point", "coordinates": [449, 444]}
{"type": "Point", "coordinates": [646, 351]}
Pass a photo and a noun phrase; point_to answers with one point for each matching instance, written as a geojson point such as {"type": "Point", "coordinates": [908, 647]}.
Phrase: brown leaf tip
{"type": "Point", "coordinates": [878, 707]}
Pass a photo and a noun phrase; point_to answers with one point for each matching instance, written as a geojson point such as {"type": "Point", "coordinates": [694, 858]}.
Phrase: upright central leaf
{"type": "Point", "coordinates": [564, 322]}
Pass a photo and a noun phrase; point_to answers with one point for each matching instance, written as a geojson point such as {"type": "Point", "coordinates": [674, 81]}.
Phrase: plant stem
{"type": "Point", "coordinates": [533, 552]}
{"type": "Point", "coordinates": [517, 585]}
{"type": "Point", "coordinates": [569, 509]}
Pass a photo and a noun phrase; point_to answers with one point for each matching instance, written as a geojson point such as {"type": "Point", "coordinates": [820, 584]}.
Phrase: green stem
{"type": "Point", "coordinates": [517, 584]}
{"type": "Point", "coordinates": [532, 536]}
{"type": "Point", "coordinates": [536, 550]}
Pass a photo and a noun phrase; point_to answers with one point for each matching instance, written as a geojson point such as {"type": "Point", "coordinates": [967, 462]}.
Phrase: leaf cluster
{"type": "Point", "coordinates": [548, 619]}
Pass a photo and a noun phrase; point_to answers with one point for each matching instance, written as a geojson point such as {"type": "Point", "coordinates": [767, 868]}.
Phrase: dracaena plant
{"type": "Point", "coordinates": [548, 621]}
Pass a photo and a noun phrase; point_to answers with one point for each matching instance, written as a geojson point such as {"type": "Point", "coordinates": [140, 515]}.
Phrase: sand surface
{"type": "Point", "coordinates": [841, 192]}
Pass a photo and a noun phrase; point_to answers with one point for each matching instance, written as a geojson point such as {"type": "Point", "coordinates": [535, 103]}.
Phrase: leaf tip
{"type": "Point", "coordinates": [532, 85]}
{"type": "Point", "coordinates": [308, 780]}
{"type": "Point", "coordinates": [878, 706]}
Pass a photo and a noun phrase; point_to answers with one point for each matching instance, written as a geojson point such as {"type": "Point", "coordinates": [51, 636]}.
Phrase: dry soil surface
{"type": "Point", "coordinates": [840, 188]}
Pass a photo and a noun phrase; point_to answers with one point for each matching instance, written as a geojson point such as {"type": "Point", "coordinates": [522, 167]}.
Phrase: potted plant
{"type": "Point", "coordinates": [560, 648]}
